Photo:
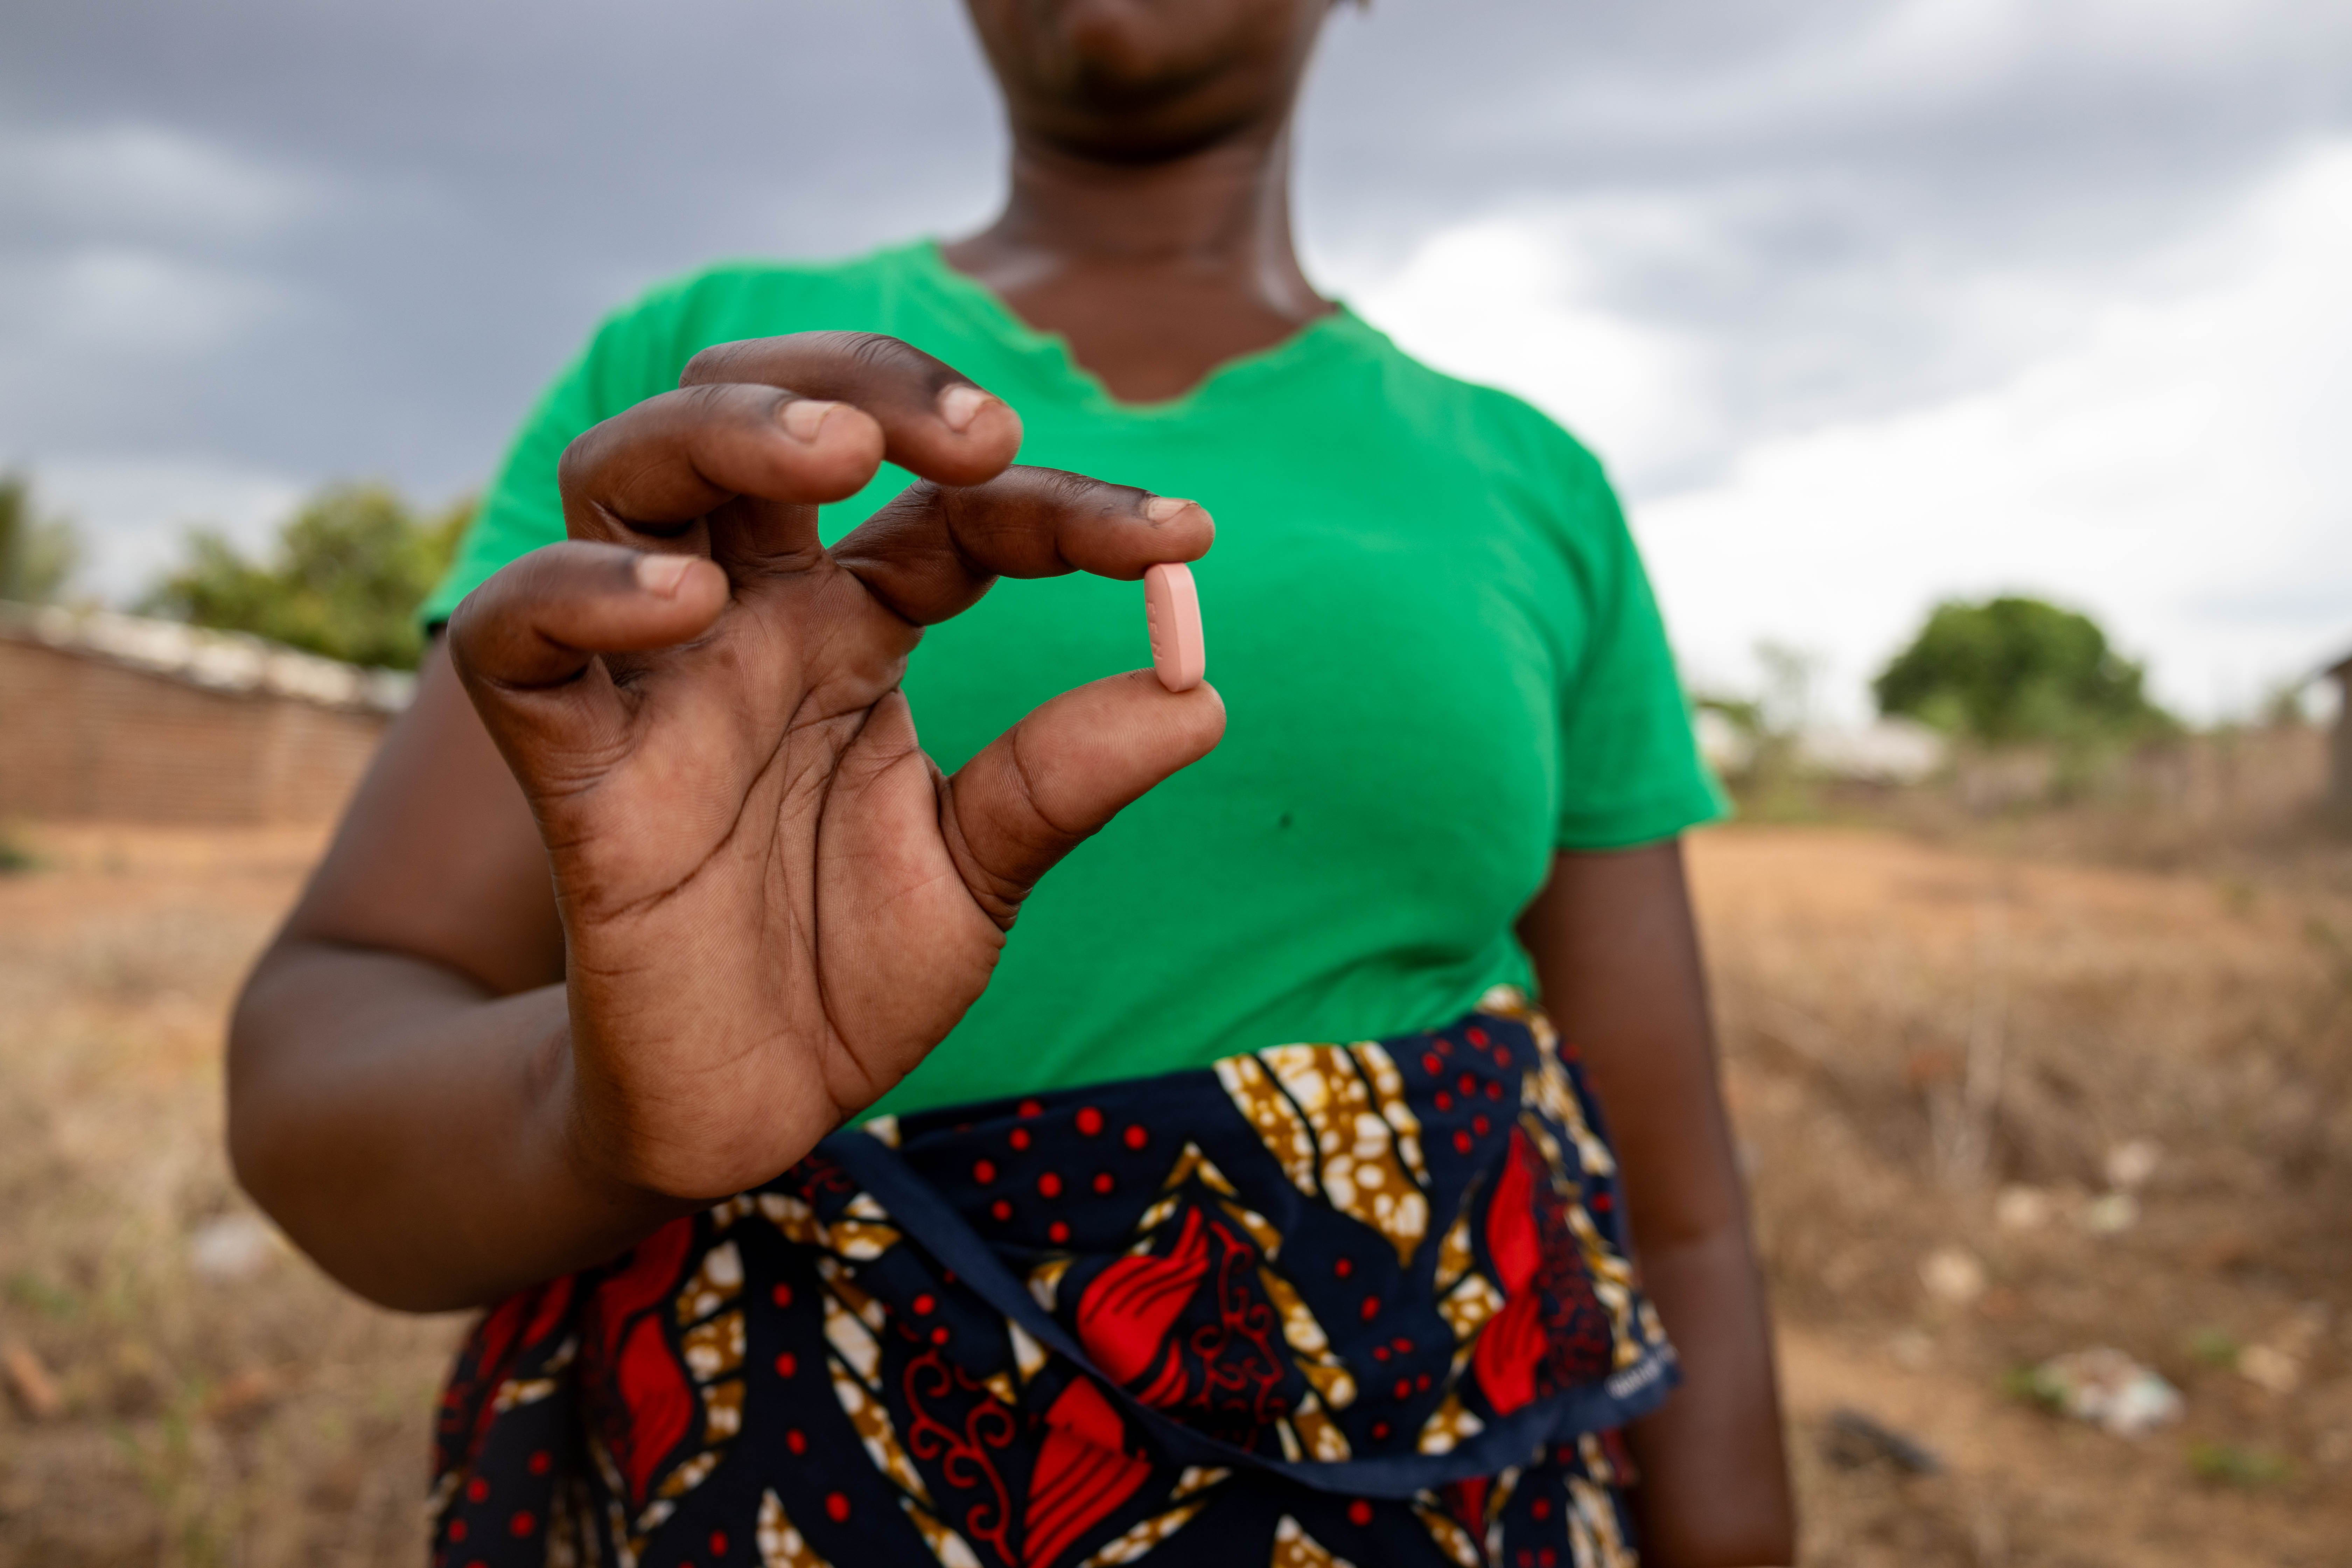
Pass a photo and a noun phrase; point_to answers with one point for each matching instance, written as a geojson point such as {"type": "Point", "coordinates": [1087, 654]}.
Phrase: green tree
{"type": "Point", "coordinates": [344, 579]}
{"type": "Point", "coordinates": [37, 554]}
{"type": "Point", "coordinates": [2011, 670]}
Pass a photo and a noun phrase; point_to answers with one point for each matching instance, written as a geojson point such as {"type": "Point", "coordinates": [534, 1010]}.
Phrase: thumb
{"type": "Point", "coordinates": [1053, 780]}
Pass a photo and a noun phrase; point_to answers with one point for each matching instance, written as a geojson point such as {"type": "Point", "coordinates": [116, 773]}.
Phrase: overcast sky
{"type": "Point", "coordinates": [1866, 302]}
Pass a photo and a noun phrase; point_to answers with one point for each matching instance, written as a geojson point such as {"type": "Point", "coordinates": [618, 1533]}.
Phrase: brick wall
{"type": "Point", "coordinates": [84, 738]}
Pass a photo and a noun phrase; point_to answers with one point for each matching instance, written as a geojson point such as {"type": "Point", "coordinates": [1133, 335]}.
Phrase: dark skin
{"type": "Point", "coordinates": [617, 924]}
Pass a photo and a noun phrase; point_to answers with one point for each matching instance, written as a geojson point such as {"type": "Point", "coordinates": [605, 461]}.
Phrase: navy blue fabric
{"type": "Point", "coordinates": [1123, 1320]}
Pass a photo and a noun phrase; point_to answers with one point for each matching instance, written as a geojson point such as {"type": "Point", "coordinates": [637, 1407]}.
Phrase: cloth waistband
{"type": "Point", "coordinates": [1430, 1225]}
{"type": "Point", "coordinates": [1375, 1270]}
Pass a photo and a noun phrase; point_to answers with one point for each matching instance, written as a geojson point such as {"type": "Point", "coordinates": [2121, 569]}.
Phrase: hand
{"type": "Point", "coordinates": [774, 904]}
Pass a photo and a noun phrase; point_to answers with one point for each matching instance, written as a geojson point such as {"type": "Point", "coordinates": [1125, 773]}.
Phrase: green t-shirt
{"type": "Point", "coordinates": [1438, 655]}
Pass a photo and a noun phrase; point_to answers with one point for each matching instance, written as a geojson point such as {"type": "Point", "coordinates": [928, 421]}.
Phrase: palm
{"type": "Point", "coordinates": [774, 904]}
{"type": "Point", "coordinates": [771, 818]}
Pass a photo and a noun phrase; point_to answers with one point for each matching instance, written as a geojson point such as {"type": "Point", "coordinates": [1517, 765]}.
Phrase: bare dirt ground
{"type": "Point", "coordinates": [1996, 1106]}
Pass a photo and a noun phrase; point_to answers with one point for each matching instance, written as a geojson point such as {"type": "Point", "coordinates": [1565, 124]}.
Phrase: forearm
{"type": "Point", "coordinates": [1714, 1484]}
{"type": "Point", "coordinates": [413, 1133]}
{"type": "Point", "coordinates": [1617, 952]}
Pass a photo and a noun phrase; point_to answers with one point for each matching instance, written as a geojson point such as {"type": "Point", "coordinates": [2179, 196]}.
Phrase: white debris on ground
{"type": "Point", "coordinates": [2130, 1165]}
{"type": "Point", "coordinates": [232, 1248]}
{"type": "Point", "coordinates": [2110, 1214]}
{"type": "Point", "coordinates": [1952, 1276]}
{"type": "Point", "coordinates": [2108, 1389]}
{"type": "Point", "coordinates": [2023, 1208]}
{"type": "Point", "coordinates": [2277, 1364]}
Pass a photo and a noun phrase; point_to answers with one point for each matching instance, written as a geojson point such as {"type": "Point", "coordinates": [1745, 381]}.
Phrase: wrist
{"type": "Point", "coordinates": [588, 1156]}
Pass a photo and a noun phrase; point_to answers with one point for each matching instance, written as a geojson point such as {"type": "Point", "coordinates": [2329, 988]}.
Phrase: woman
{"type": "Point", "coordinates": [654, 889]}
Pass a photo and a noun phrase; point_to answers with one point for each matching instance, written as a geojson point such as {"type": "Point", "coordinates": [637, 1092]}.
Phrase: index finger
{"type": "Point", "coordinates": [933, 551]}
{"type": "Point", "coordinates": [936, 421]}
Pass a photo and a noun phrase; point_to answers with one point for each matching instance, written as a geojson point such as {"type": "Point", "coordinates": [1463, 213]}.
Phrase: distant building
{"type": "Point", "coordinates": [1889, 750]}
{"type": "Point", "coordinates": [115, 718]}
{"type": "Point", "coordinates": [1894, 751]}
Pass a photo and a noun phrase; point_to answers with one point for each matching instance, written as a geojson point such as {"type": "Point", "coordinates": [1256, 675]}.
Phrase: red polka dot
{"type": "Point", "coordinates": [797, 1440]}
{"type": "Point", "coordinates": [1467, 1083]}
{"type": "Point", "coordinates": [1371, 1308]}
{"type": "Point", "coordinates": [1444, 1047]}
{"type": "Point", "coordinates": [1444, 1100]}
{"type": "Point", "coordinates": [1602, 1202]}
{"type": "Point", "coordinates": [1476, 1036]}
{"type": "Point", "coordinates": [983, 1171]}
{"type": "Point", "coordinates": [541, 1462]}
{"type": "Point", "coordinates": [1380, 1431]}
{"type": "Point", "coordinates": [1058, 1233]}
{"type": "Point", "coordinates": [1494, 1091]}
{"type": "Point", "coordinates": [1432, 1063]}
{"type": "Point", "coordinates": [1002, 1210]}
{"type": "Point", "coordinates": [1136, 1137]}
{"type": "Point", "coordinates": [1481, 1126]}
{"type": "Point", "coordinates": [1421, 1384]}
{"type": "Point", "coordinates": [719, 1544]}
{"type": "Point", "coordinates": [1018, 1138]}
{"type": "Point", "coordinates": [477, 1490]}
{"type": "Point", "coordinates": [1404, 1388]}
{"type": "Point", "coordinates": [524, 1522]}
{"type": "Point", "coordinates": [1344, 1268]}
{"type": "Point", "coordinates": [1380, 1352]}
{"type": "Point", "coordinates": [940, 1335]}
{"type": "Point", "coordinates": [837, 1508]}
{"type": "Point", "coordinates": [1089, 1122]}
{"type": "Point", "coordinates": [1527, 1558]}
{"type": "Point", "coordinates": [1031, 1108]}
{"type": "Point", "coordinates": [925, 1305]}
{"type": "Point", "coordinates": [1103, 1183]}
{"type": "Point", "coordinates": [1460, 1142]}
{"type": "Point", "coordinates": [787, 1365]}
{"type": "Point", "coordinates": [1541, 1507]}
{"type": "Point", "coordinates": [456, 1529]}
{"type": "Point", "coordinates": [1049, 1186]}
{"type": "Point", "coordinates": [782, 1295]}
{"type": "Point", "coordinates": [1545, 1557]}
{"type": "Point", "coordinates": [1360, 1513]}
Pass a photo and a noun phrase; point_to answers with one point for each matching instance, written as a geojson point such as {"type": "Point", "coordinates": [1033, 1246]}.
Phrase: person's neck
{"type": "Point", "coordinates": [1154, 273]}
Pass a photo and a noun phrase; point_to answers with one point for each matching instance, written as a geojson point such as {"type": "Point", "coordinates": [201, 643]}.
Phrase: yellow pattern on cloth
{"type": "Point", "coordinates": [1337, 1119]}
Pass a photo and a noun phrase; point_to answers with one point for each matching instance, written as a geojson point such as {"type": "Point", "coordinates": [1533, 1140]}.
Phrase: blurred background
{"type": "Point", "coordinates": [1978, 376]}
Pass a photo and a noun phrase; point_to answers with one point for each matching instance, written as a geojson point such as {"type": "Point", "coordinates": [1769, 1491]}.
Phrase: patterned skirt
{"type": "Point", "coordinates": [1365, 1305]}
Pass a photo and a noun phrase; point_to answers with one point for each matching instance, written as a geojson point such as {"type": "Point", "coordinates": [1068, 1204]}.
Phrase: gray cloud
{"type": "Point", "coordinates": [305, 238]}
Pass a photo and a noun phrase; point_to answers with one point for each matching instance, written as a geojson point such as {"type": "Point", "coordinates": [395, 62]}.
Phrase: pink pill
{"type": "Point", "coordinates": [1173, 606]}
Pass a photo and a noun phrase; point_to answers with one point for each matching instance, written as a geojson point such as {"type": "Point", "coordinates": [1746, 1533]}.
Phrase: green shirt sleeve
{"type": "Point", "coordinates": [1631, 772]}
{"type": "Point", "coordinates": [634, 354]}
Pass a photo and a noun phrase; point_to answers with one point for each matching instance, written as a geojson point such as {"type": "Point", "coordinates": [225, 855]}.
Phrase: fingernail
{"type": "Point", "coordinates": [1159, 509]}
{"type": "Point", "coordinates": [661, 574]}
{"type": "Point", "coordinates": [961, 404]}
{"type": "Point", "coordinates": [803, 417]}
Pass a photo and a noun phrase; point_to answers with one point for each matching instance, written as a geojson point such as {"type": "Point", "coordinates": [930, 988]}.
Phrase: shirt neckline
{"type": "Point", "coordinates": [1049, 354]}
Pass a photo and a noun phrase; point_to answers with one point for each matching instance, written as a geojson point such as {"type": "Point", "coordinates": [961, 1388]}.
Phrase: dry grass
{"type": "Point", "coordinates": [1920, 1038]}
{"type": "Point", "coordinates": [261, 1419]}
{"type": "Point", "coordinates": [1911, 1029]}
